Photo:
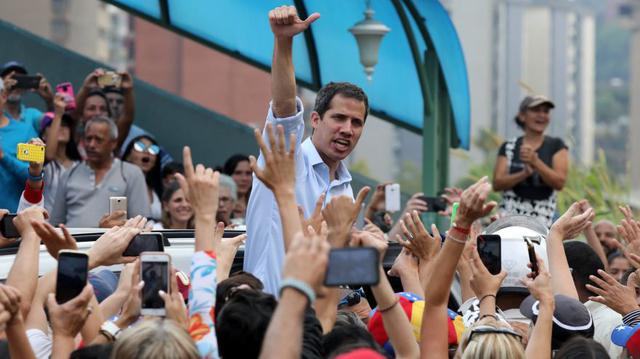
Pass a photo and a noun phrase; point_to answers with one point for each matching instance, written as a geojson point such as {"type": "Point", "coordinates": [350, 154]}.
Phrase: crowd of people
{"type": "Point", "coordinates": [551, 296]}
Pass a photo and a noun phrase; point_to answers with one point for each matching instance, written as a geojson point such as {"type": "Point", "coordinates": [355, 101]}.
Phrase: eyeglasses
{"type": "Point", "coordinates": [487, 329]}
{"type": "Point", "coordinates": [352, 298]}
{"type": "Point", "coordinates": [141, 147]}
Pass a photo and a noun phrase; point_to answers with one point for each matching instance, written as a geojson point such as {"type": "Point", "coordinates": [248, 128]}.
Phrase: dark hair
{"type": "Point", "coordinates": [112, 89]}
{"type": "Point", "coordinates": [167, 193]}
{"type": "Point", "coordinates": [613, 255]}
{"type": "Point", "coordinates": [225, 288]}
{"type": "Point", "coordinates": [99, 93]}
{"type": "Point", "coordinates": [172, 168]}
{"type": "Point", "coordinates": [518, 122]}
{"type": "Point", "coordinates": [154, 177]}
{"type": "Point", "coordinates": [344, 338]}
{"type": "Point", "coordinates": [232, 162]}
{"type": "Point", "coordinates": [580, 347]}
{"type": "Point", "coordinates": [98, 351]}
{"type": "Point", "coordinates": [583, 261]}
{"type": "Point", "coordinates": [243, 322]}
{"type": "Point", "coordinates": [345, 89]}
{"type": "Point", "coordinates": [71, 148]}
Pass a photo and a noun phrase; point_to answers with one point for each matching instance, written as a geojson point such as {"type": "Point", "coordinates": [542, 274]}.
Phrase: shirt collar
{"type": "Point", "coordinates": [311, 152]}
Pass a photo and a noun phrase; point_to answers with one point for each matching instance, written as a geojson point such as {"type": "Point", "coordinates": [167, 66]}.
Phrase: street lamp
{"type": "Point", "coordinates": [369, 34]}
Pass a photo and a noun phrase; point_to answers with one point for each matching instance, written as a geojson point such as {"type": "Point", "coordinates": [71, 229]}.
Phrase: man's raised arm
{"type": "Point", "coordinates": [285, 24]}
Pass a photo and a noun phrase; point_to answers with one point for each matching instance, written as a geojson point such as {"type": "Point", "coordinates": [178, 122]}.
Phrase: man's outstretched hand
{"type": "Point", "coordinates": [285, 22]}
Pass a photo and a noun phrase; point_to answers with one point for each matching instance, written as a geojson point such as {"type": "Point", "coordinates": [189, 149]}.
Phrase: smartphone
{"type": "Point", "coordinates": [435, 204]}
{"type": "Point", "coordinates": [29, 152]}
{"type": "Point", "coordinates": [7, 228]}
{"type": "Point", "coordinates": [154, 271]}
{"type": "Point", "coordinates": [352, 266]}
{"type": "Point", "coordinates": [145, 242]}
{"type": "Point", "coordinates": [454, 212]}
{"type": "Point", "coordinates": [66, 89]}
{"type": "Point", "coordinates": [27, 82]}
{"type": "Point", "coordinates": [360, 219]}
{"type": "Point", "coordinates": [489, 249]}
{"type": "Point", "coordinates": [109, 79]}
{"type": "Point", "coordinates": [73, 269]}
{"type": "Point", "coordinates": [392, 197]}
{"type": "Point", "coordinates": [118, 204]}
{"type": "Point", "coordinates": [532, 257]}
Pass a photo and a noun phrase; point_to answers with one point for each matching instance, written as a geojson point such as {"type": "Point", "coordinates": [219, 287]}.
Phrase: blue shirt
{"type": "Point", "coordinates": [30, 116]}
{"type": "Point", "coordinates": [13, 172]}
{"type": "Point", "coordinates": [264, 248]}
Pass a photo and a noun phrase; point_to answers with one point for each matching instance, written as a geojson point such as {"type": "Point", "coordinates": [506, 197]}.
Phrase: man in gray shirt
{"type": "Point", "coordinates": [83, 196]}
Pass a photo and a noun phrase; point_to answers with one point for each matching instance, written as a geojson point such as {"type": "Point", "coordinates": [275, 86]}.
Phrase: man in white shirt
{"type": "Point", "coordinates": [338, 119]}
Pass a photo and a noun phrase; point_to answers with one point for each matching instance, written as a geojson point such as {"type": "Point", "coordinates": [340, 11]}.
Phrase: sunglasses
{"type": "Point", "coordinates": [352, 298]}
{"type": "Point", "coordinates": [151, 149]}
{"type": "Point", "coordinates": [487, 329]}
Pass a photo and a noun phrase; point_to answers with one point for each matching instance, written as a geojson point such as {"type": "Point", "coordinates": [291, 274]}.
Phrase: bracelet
{"type": "Point", "coordinates": [36, 178]}
{"type": "Point", "coordinates": [460, 241]}
{"type": "Point", "coordinates": [465, 231]}
{"type": "Point", "coordinates": [380, 310]}
{"type": "Point", "coordinates": [300, 286]}
{"type": "Point", "coordinates": [486, 295]}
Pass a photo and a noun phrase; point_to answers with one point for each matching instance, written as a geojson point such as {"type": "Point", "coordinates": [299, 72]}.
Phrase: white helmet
{"type": "Point", "coordinates": [513, 232]}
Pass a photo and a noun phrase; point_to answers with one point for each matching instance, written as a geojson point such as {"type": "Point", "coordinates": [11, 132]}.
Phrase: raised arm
{"type": "Point", "coordinates": [279, 175]}
{"type": "Point", "coordinates": [52, 140]}
{"type": "Point", "coordinates": [572, 222]}
{"type": "Point", "coordinates": [472, 207]}
{"type": "Point", "coordinates": [285, 24]}
{"type": "Point", "coordinates": [539, 345]}
{"type": "Point", "coordinates": [129, 109]}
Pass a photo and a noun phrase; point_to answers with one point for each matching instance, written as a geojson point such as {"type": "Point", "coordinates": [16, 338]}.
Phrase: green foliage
{"type": "Point", "coordinates": [593, 183]}
{"type": "Point", "coordinates": [360, 166]}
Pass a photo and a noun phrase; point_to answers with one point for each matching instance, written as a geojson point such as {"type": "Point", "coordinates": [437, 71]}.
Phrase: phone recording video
{"type": "Point", "coordinates": [532, 257]}
{"type": "Point", "coordinates": [489, 249]}
{"type": "Point", "coordinates": [352, 266]}
{"type": "Point", "coordinates": [7, 228]}
{"type": "Point", "coordinates": [155, 274]}
{"type": "Point", "coordinates": [73, 268]}
{"type": "Point", "coordinates": [27, 82]}
{"type": "Point", "coordinates": [144, 242]}
{"type": "Point", "coordinates": [434, 204]}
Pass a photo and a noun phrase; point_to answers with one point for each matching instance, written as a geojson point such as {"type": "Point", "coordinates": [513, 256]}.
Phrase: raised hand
{"type": "Point", "coordinates": [286, 23]}
{"type": "Point", "coordinates": [472, 203]}
{"type": "Point", "coordinates": [540, 286]}
{"type": "Point", "coordinates": [610, 292]}
{"type": "Point", "coordinates": [629, 230]}
{"type": "Point", "coordinates": [127, 81]}
{"type": "Point", "coordinates": [417, 239]}
{"type": "Point", "coordinates": [68, 318]}
{"type": "Point", "coordinates": [59, 104]}
{"type": "Point", "coordinates": [24, 219]}
{"type": "Point", "coordinates": [174, 303]}
{"type": "Point", "coordinates": [404, 264]}
{"type": "Point", "coordinates": [115, 218]}
{"type": "Point", "coordinates": [368, 239]}
{"type": "Point", "coordinates": [54, 241]}
{"type": "Point", "coordinates": [199, 185]}
{"type": "Point", "coordinates": [340, 214]}
{"type": "Point", "coordinates": [108, 249]}
{"type": "Point", "coordinates": [415, 203]}
{"type": "Point", "coordinates": [307, 260]}
{"type": "Point", "coordinates": [482, 282]}
{"type": "Point", "coordinates": [315, 220]}
{"type": "Point", "coordinates": [574, 220]}
{"type": "Point", "coordinates": [44, 89]}
{"type": "Point", "coordinates": [9, 306]}
{"type": "Point", "coordinates": [279, 172]}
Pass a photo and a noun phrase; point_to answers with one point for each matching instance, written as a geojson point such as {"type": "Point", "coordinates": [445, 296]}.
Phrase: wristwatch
{"type": "Point", "coordinates": [110, 330]}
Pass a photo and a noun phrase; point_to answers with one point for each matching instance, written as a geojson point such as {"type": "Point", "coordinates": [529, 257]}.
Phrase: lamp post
{"type": "Point", "coordinates": [369, 34]}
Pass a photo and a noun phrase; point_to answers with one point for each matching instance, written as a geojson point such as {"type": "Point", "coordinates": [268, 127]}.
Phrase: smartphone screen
{"type": "Point", "coordinates": [7, 229]}
{"type": "Point", "coordinates": [155, 277]}
{"type": "Point", "coordinates": [392, 197]}
{"type": "Point", "coordinates": [435, 204]}
{"type": "Point", "coordinates": [352, 266]}
{"type": "Point", "coordinates": [360, 219]}
{"type": "Point", "coordinates": [26, 82]}
{"type": "Point", "coordinates": [490, 252]}
{"type": "Point", "coordinates": [72, 275]}
{"type": "Point", "coordinates": [145, 242]}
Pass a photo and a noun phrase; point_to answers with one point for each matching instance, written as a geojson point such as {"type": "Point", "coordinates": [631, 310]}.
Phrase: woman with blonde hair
{"type": "Point", "coordinates": [157, 338]}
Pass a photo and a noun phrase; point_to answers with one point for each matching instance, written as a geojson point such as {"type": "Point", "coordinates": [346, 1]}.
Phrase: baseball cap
{"type": "Point", "coordinates": [535, 100]}
{"type": "Point", "coordinates": [13, 66]}
{"type": "Point", "coordinates": [570, 318]}
{"type": "Point", "coordinates": [627, 337]}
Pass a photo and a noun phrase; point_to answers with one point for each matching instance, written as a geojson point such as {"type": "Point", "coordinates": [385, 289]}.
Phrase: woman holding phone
{"type": "Point", "coordinates": [531, 169]}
